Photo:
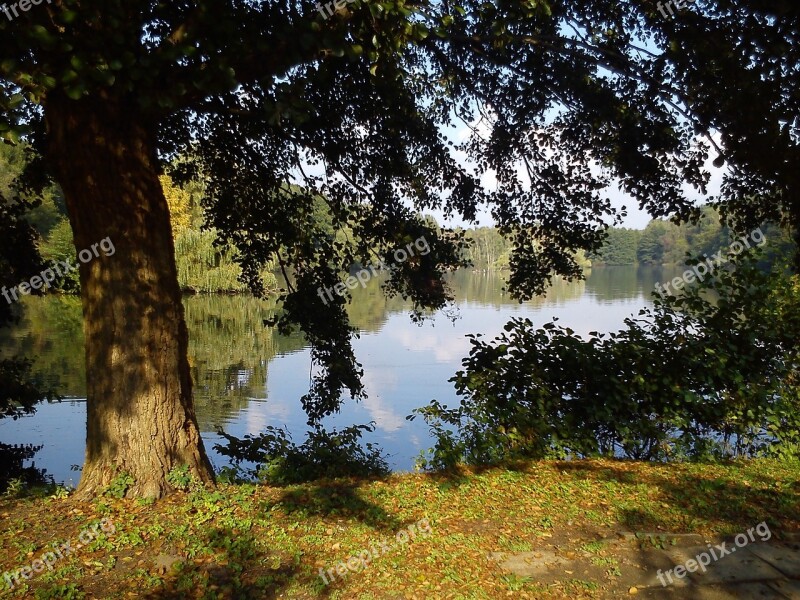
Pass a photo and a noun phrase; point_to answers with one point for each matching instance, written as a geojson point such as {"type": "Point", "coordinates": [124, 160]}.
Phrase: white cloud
{"type": "Point", "coordinates": [445, 349]}
{"type": "Point", "coordinates": [379, 379]}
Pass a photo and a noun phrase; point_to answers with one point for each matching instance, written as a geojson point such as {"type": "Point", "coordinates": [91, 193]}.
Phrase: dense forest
{"type": "Point", "coordinates": [663, 242]}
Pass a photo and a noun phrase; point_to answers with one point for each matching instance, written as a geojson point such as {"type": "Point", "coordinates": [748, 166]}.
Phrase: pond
{"type": "Point", "coordinates": [247, 377]}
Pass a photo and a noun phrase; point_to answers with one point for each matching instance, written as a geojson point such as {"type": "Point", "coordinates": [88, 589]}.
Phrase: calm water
{"type": "Point", "coordinates": [247, 377]}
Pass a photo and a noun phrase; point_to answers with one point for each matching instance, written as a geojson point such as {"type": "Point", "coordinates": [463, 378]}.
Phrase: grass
{"type": "Point", "coordinates": [248, 541]}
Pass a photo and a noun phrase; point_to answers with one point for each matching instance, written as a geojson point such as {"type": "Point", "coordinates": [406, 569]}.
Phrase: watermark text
{"type": "Point", "coordinates": [48, 559]}
{"type": "Point", "coordinates": [356, 563]}
{"type": "Point", "coordinates": [702, 560]}
{"type": "Point", "coordinates": [699, 271]}
{"type": "Point", "coordinates": [61, 267]}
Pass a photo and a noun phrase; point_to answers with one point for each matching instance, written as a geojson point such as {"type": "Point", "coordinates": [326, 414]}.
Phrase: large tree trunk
{"type": "Point", "coordinates": [140, 413]}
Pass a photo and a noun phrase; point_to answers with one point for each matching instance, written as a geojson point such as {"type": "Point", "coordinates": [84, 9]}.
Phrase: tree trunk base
{"type": "Point", "coordinates": [139, 407]}
{"type": "Point", "coordinates": [99, 479]}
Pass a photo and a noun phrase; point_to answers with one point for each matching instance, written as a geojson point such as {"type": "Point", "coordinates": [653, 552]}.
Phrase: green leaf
{"type": "Point", "coordinates": [75, 92]}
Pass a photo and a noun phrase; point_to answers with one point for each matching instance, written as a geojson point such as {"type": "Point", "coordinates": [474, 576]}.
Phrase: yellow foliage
{"type": "Point", "coordinates": [179, 208]}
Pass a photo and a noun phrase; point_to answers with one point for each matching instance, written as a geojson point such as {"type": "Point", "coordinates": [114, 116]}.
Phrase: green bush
{"type": "Point", "coordinates": [277, 460]}
{"type": "Point", "coordinates": [707, 375]}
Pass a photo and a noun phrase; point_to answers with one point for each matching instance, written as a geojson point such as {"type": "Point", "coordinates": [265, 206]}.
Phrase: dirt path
{"type": "Point", "coordinates": [662, 565]}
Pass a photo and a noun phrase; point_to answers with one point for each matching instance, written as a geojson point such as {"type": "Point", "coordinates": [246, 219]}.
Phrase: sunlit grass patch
{"type": "Point", "coordinates": [241, 540]}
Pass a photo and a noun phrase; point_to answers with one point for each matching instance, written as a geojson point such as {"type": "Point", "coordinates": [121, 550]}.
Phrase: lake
{"type": "Point", "coordinates": [247, 377]}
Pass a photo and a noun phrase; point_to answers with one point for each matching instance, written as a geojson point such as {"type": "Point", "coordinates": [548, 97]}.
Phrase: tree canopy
{"type": "Point", "coordinates": [281, 106]}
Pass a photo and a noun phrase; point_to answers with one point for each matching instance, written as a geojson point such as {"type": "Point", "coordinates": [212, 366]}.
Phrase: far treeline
{"type": "Point", "coordinates": [662, 242]}
{"type": "Point", "coordinates": [665, 243]}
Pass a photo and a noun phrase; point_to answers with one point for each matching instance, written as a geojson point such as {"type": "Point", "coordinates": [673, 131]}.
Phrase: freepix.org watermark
{"type": "Point", "coordinates": [700, 270]}
{"type": "Point", "coordinates": [702, 560]}
{"type": "Point", "coordinates": [361, 278]}
{"type": "Point", "coordinates": [48, 559]}
{"type": "Point", "coordinates": [360, 561]}
{"type": "Point", "coordinates": [679, 4]}
{"type": "Point", "coordinates": [329, 9]}
{"type": "Point", "coordinates": [23, 5]}
{"type": "Point", "coordinates": [61, 267]}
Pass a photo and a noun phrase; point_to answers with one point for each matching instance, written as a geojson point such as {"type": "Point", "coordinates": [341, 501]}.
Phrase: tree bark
{"type": "Point", "coordinates": [140, 412]}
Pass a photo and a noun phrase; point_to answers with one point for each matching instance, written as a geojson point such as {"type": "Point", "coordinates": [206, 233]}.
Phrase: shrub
{"type": "Point", "coordinates": [709, 374]}
{"type": "Point", "coordinates": [277, 460]}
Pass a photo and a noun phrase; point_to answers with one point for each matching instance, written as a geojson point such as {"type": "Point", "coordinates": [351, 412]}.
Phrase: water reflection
{"type": "Point", "coordinates": [247, 377]}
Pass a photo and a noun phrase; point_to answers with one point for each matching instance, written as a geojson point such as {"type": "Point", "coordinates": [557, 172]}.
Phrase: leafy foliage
{"type": "Point", "coordinates": [179, 204]}
{"type": "Point", "coordinates": [60, 246]}
{"type": "Point", "coordinates": [488, 249]}
{"type": "Point", "coordinates": [19, 260]}
{"type": "Point", "coordinates": [119, 485]}
{"type": "Point", "coordinates": [665, 242]}
{"type": "Point", "coordinates": [204, 267]}
{"type": "Point", "coordinates": [180, 477]}
{"type": "Point", "coordinates": [13, 476]}
{"type": "Point", "coordinates": [323, 455]}
{"type": "Point", "coordinates": [557, 99]}
{"type": "Point", "coordinates": [709, 374]}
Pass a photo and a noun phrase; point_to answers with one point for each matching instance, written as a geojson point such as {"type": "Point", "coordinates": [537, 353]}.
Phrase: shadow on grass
{"type": "Point", "coordinates": [335, 498]}
{"type": "Point", "coordinates": [240, 569]}
{"type": "Point", "coordinates": [728, 498]}
{"type": "Point", "coordinates": [732, 494]}
{"type": "Point", "coordinates": [655, 501]}
{"type": "Point", "coordinates": [458, 475]}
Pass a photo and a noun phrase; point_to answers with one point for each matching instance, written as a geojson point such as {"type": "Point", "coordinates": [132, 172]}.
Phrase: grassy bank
{"type": "Point", "coordinates": [263, 542]}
